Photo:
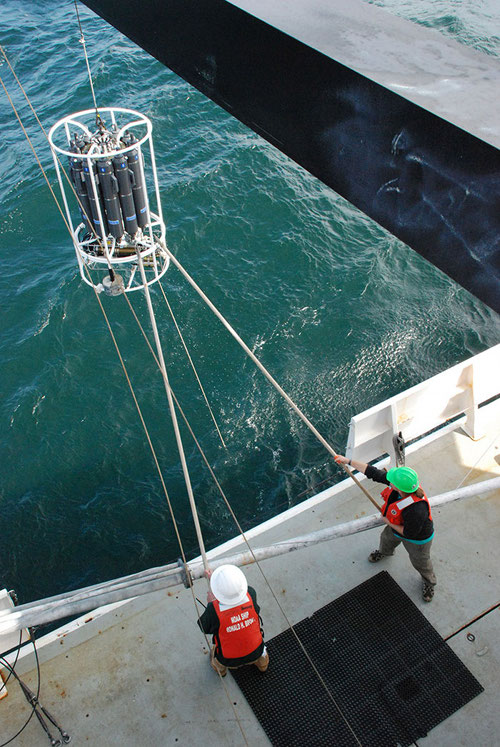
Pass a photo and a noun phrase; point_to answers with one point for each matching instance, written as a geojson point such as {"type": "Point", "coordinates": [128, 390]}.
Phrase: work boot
{"type": "Point", "coordinates": [216, 665]}
{"type": "Point", "coordinates": [375, 556]}
{"type": "Point", "coordinates": [219, 668]}
{"type": "Point", "coordinates": [427, 592]}
{"type": "Point", "coordinates": [262, 662]}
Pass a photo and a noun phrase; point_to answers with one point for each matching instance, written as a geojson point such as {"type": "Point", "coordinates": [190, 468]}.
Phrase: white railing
{"type": "Point", "coordinates": [458, 390]}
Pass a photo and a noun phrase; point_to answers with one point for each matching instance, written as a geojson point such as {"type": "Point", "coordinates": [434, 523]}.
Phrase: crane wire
{"type": "Point", "coordinates": [192, 364]}
{"type": "Point", "coordinates": [245, 539]}
{"type": "Point", "coordinates": [146, 431]}
{"type": "Point", "coordinates": [155, 458]}
{"type": "Point", "coordinates": [268, 376]}
{"type": "Point", "coordinates": [63, 170]}
{"type": "Point", "coordinates": [82, 42]}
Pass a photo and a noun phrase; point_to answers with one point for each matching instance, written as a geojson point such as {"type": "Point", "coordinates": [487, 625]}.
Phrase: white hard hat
{"type": "Point", "coordinates": [229, 584]}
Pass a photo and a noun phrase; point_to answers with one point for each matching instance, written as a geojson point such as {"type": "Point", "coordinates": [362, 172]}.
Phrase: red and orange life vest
{"type": "Point", "coordinates": [239, 629]}
{"type": "Point", "coordinates": [394, 511]}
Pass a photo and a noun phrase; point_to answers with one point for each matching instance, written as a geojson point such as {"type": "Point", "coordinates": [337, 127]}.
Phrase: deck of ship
{"type": "Point", "coordinates": [147, 680]}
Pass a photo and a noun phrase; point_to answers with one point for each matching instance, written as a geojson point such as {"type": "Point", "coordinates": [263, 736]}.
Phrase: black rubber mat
{"type": "Point", "coordinates": [388, 675]}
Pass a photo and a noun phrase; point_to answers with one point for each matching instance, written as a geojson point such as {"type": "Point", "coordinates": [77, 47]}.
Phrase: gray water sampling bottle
{"type": "Point", "coordinates": [109, 186]}
{"type": "Point", "coordinates": [78, 179]}
{"type": "Point", "coordinates": [124, 178]}
{"type": "Point", "coordinates": [138, 187]}
{"type": "Point", "coordinates": [95, 200]}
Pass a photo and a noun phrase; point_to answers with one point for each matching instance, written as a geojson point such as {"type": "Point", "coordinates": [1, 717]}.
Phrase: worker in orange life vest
{"type": "Point", "coordinates": [407, 515]}
{"type": "Point", "coordinates": [232, 617]}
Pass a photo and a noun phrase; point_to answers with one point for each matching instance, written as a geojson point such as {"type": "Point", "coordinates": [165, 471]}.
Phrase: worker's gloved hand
{"type": "Point", "coordinates": [340, 459]}
{"type": "Point", "coordinates": [210, 595]}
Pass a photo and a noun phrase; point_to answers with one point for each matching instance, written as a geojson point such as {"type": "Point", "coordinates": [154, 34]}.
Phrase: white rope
{"type": "Point", "coordinates": [181, 548]}
{"type": "Point", "coordinates": [82, 42]}
{"type": "Point", "coordinates": [252, 553]}
{"type": "Point", "coordinates": [266, 373]}
{"type": "Point", "coordinates": [173, 416]}
{"type": "Point", "coordinates": [192, 364]}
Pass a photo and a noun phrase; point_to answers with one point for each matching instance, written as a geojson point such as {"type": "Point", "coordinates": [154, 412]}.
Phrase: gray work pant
{"type": "Point", "coordinates": [420, 555]}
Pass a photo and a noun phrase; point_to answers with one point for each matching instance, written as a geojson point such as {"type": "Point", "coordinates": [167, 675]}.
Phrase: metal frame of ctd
{"type": "Point", "coordinates": [99, 248]}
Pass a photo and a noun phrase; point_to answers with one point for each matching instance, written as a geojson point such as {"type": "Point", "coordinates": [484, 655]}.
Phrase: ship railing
{"type": "Point", "coordinates": [417, 411]}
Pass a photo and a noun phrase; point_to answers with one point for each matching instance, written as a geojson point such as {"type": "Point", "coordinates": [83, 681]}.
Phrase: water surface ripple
{"type": "Point", "coordinates": [341, 313]}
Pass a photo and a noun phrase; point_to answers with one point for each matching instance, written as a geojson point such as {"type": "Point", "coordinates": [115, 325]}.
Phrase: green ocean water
{"type": "Point", "coordinates": [340, 312]}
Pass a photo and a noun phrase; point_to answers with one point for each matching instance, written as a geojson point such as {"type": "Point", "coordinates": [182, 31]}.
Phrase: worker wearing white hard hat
{"type": "Point", "coordinates": [232, 617]}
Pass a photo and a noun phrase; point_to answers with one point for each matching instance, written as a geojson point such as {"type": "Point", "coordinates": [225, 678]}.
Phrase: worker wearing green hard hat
{"type": "Point", "coordinates": [406, 512]}
{"type": "Point", "coordinates": [403, 478]}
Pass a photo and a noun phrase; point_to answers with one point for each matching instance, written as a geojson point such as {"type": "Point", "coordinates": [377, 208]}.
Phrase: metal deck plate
{"type": "Point", "coordinates": [388, 675]}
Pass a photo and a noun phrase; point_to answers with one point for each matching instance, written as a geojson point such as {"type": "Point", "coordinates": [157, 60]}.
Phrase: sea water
{"type": "Point", "coordinates": [341, 313]}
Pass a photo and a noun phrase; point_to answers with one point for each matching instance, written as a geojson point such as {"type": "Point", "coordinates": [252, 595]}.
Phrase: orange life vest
{"type": "Point", "coordinates": [239, 629]}
{"type": "Point", "coordinates": [394, 511]}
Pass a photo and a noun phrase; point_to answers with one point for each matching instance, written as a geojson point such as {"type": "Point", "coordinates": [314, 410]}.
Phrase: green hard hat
{"type": "Point", "coordinates": [404, 479]}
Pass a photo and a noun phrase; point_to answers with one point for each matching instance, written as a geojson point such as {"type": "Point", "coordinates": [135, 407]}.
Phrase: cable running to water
{"type": "Point", "coordinates": [192, 364]}
{"type": "Point", "coordinates": [82, 42]}
{"type": "Point", "coordinates": [181, 547]}
{"type": "Point", "coordinates": [266, 373]}
{"type": "Point", "coordinates": [63, 170]}
{"type": "Point", "coordinates": [268, 376]}
{"type": "Point", "coordinates": [245, 539]}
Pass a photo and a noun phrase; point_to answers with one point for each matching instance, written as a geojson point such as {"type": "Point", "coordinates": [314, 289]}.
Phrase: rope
{"type": "Point", "coordinates": [181, 547]}
{"type": "Point", "coordinates": [63, 170]}
{"type": "Point", "coordinates": [173, 416]}
{"type": "Point", "coordinates": [268, 376]}
{"type": "Point", "coordinates": [266, 373]}
{"type": "Point", "coordinates": [192, 364]}
{"type": "Point", "coordinates": [242, 533]}
{"type": "Point", "coordinates": [82, 42]}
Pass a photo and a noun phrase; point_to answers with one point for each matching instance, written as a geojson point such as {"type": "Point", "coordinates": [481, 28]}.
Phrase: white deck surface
{"type": "Point", "coordinates": [147, 679]}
